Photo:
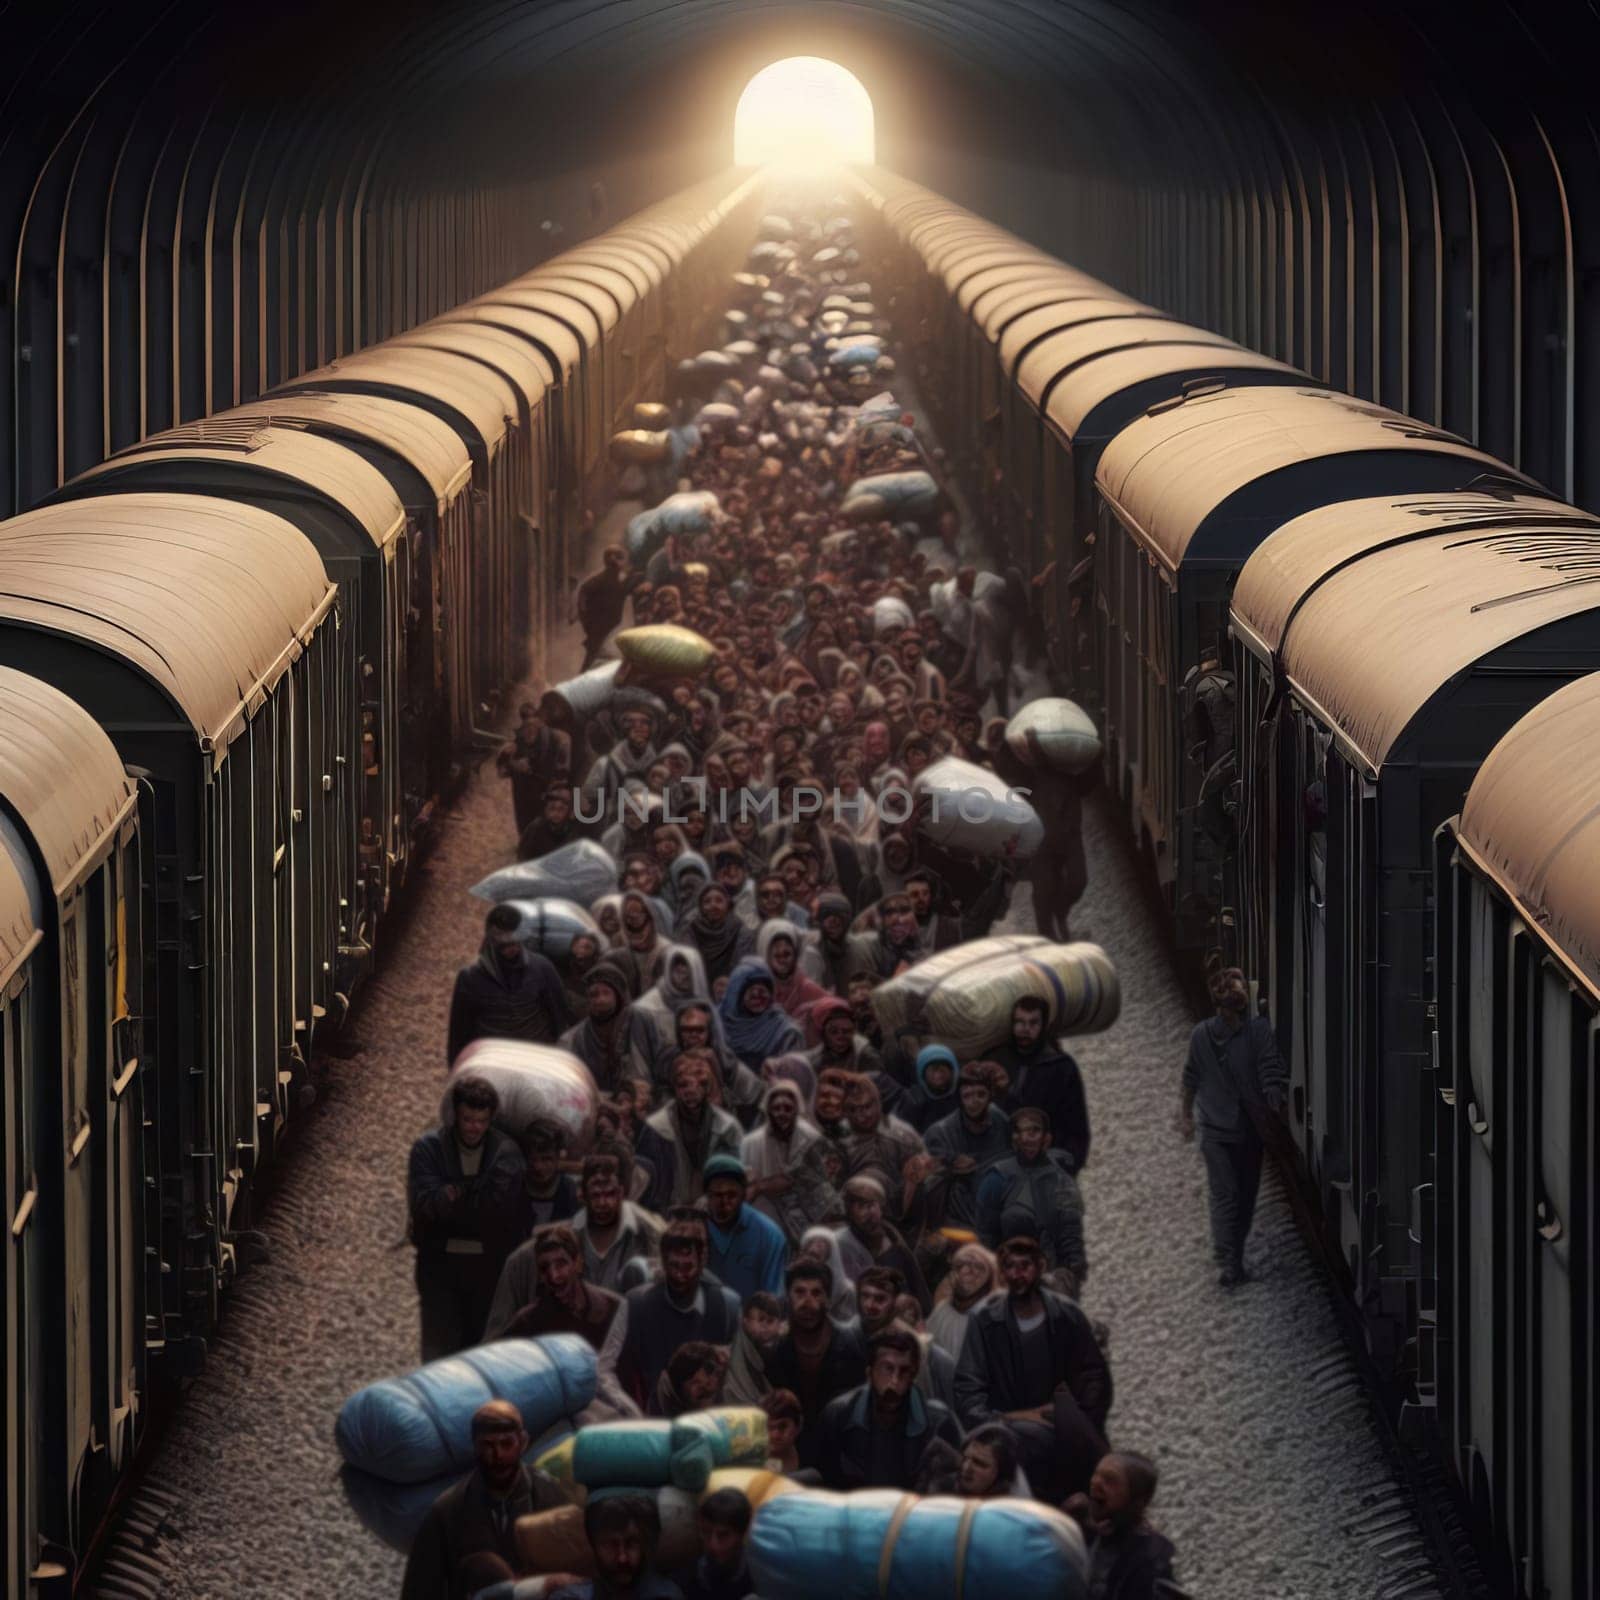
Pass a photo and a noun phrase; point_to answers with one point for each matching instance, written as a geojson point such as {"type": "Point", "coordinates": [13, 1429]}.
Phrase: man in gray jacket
{"type": "Point", "coordinates": [1233, 1080]}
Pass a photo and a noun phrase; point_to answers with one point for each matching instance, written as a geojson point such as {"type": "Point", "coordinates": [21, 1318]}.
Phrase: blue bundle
{"type": "Point", "coordinates": [879, 1544]}
{"type": "Point", "coordinates": [419, 1428]}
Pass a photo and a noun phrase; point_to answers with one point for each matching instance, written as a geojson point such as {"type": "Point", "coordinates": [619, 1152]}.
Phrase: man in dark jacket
{"type": "Point", "coordinates": [460, 1185]}
{"type": "Point", "coordinates": [536, 756]}
{"type": "Point", "coordinates": [1030, 1360]}
{"type": "Point", "coordinates": [480, 1513]}
{"type": "Point", "coordinates": [542, 1290]}
{"type": "Point", "coordinates": [1032, 1193]}
{"type": "Point", "coordinates": [509, 992]}
{"type": "Point", "coordinates": [597, 606]}
{"type": "Point", "coordinates": [1128, 1559]}
{"type": "Point", "coordinates": [966, 1143]}
{"type": "Point", "coordinates": [1233, 1079]}
{"type": "Point", "coordinates": [656, 1318]}
{"type": "Point", "coordinates": [874, 1437]}
{"type": "Point", "coordinates": [615, 1042]}
{"type": "Point", "coordinates": [818, 1359]}
{"type": "Point", "coordinates": [1042, 1074]}
{"type": "Point", "coordinates": [552, 826]}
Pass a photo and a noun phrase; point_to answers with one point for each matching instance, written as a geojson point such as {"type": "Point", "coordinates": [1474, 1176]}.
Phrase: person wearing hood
{"type": "Point", "coordinates": [967, 1142]}
{"type": "Point", "coordinates": [821, 1244]}
{"type": "Point", "coordinates": [934, 1095]}
{"type": "Point", "coordinates": [728, 867]}
{"type": "Point", "coordinates": [582, 955]}
{"type": "Point", "coordinates": [692, 1381]}
{"type": "Point", "coordinates": [974, 1275]}
{"type": "Point", "coordinates": [614, 1041]}
{"type": "Point", "coordinates": [1042, 1074]}
{"type": "Point", "coordinates": [779, 943]}
{"type": "Point", "coordinates": [633, 822]}
{"type": "Point", "coordinates": [760, 1328]}
{"type": "Point", "coordinates": [896, 861]}
{"type": "Point", "coordinates": [639, 948]}
{"type": "Point", "coordinates": [509, 992]}
{"type": "Point", "coordinates": [692, 1127]}
{"type": "Point", "coordinates": [838, 953]}
{"type": "Point", "coordinates": [755, 1027]}
{"type": "Point", "coordinates": [632, 756]}
{"type": "Point", "coordinates": [721, 938]}
{"type": "Point", "coordinates": [748, 1250]}
{"type": "Point", "coordinates": [687, 874]}
{"type": "Point", "coordinates": [770, 1151]}
{"type": "Point", "coordinates": [682, 978]}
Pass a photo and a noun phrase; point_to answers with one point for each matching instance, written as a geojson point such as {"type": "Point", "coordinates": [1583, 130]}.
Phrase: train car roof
{"type": "Point", "coordinates": [320, 465]}
{"type": "Point", "coordinates": [1010, 305]}
{"type": "Point", "coordinates": [1169, 470]}
{"type": "Point", "coordinates": [62, 775]}
{"type": "Point", "coordinates": [1142, 352]}
{"type": "Point", "coordinates": [421, 438]}
{"type": "Point", "coordinates": [582, 296]}
{"type": "Point", "coordinates": [584, 322]}
{"type": "Point", "coordinates": [622, 295]}
{"type": "Point", "coordinates": [963, 265]}
{"type": "Point", "coordinates": [1291, 563]}
{"type": "Point", "coordinates": [628, 260]}
{"type": "Point", "coordinates": [499, 352]}
{"type": "Point", "coordinates": [536, 326]}
{"type": "Point", "coordinates": [1381, 634]}
{"type": "Point", "coordinates": [1532, 822]}
{"type": "Point", "coordinates": [209, 599]}
{"type": "Point", "coordinates": [1028, 348]}
{"type": "Point", "coordinates": [487, 402]}
{"type": "Point", "coordinates": [1071, 348]}
{"type": "Point", "coordinates": [1009, 275]}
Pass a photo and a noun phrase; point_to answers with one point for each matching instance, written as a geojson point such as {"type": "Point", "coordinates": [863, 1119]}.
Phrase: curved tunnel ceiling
{"type": "Point", "coordinates": [201, 202]}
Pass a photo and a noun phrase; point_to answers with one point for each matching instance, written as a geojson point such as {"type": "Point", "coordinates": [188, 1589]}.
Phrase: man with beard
{"type": "Point", "coordinates": [655, 1318]}
{"type": "Point", "coordinates": [748, 1251]}
{"type": "Point", "coordinates": [1030, 1359]}
{"type": "Point", "coordinates": [480, 1513]}
{"type": "Point", "coordinates": [553, 827]}
{"type": "Point", "coordinates": [866, 1240]}
{"type": "Point", "coordinates": [1233, 1082]}
{"type": "Point", "coordinates": [692, 1127]}
{"type": "Point", "coordinates": [509, 992]}
{"type": "Point", "coordinates": [1043, 1075]}
{"type": "Point", "coordinates": [818, 1359]}
{"type": "Point", "coordinates": [967, 1142]}
{"type": "Point", "coordinates": [542, 1291]}
{"type": "Point", "coordinates": [460, 1182]}
{"type": "Point", "coordinates": [874, 1437]}
{"type": "Point", "coordinates": [623, 1527]}
{"type": "Point", "coordinates": [632, 756]}
{"type": "Point", "coordinates": [773, 903]}
{"type": "Point", "coordinates": [640, 950]}
{"type": "Point", "coordinates": [769, 1152]}
{"type": "Point", "coordinates": [547, 1194]}
{"type": "Point", "coordinates": [935, 930]}
{"type": "Point", "coordinates": [1031, 1194]}
{"type": "Point", "coordinates": [612, 1230]}
{"type": "Point", "coordinates": [614, 1041]}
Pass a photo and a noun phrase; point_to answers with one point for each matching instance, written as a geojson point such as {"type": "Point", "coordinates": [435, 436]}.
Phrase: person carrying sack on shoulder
{"type": "Point", "coordinates": [1234, 1088]}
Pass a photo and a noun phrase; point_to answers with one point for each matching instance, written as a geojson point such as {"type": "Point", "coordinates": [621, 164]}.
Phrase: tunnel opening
{"type": "Point", "coordinates": [803, 113]}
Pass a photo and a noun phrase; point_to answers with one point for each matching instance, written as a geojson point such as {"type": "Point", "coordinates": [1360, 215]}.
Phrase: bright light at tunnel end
{"type": "Point", "coordinates": [803, 113]}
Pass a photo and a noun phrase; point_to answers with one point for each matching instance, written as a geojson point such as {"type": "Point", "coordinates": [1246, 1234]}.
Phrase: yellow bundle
{"type": "Point", "coordinates": [651, 414]}
{"type": "Point", "coordinates": [666, 650]}
{"type": "Point", "coordinates": [640, 445]}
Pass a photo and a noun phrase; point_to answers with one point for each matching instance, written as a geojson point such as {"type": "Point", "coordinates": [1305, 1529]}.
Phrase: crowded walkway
{"type": "Point", "coordinates": [986, 1272]}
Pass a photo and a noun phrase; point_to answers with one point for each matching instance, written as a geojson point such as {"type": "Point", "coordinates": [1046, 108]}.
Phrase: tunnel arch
{"type": "Point", "coordinates": [804, 111]}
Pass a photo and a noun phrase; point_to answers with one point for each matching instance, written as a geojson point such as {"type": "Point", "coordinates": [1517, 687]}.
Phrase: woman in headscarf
{"type": "Point", "coordinates": [640, 939]}
{"type": "Point", "coordinates": [667, 843]}
{"type": "Point", "coordinates": [682, 977]}
{"type": "Point", "coordinates": [880, 1146]}
{"type": "Point", "coordinates": [720, 937]}
{"type": "Point", "coordinates": [607, 912]}
{"type": "Point", "coordinates": [974, 1276]}
{"type": "Point", "coordinates": [755, 1026]}
{"type": "Point", "coordinates": [771, 1148]}
{"type": "Point", "coordinates": [778, 943]}
{"type": "Point", "coordinates": [822, 1246]}
{"type": "Point", "coordinates": [582, 954]}
{"type": "Point", "coordinates": [876, 749]}
{"type": "Point", "coordinates": [855, 812]}
{"type": "Point", "coordinates": [687, 875]}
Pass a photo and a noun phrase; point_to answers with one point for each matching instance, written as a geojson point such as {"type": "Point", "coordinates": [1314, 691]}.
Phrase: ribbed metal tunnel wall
{"type": "Point", "coordinates": [199, 202]}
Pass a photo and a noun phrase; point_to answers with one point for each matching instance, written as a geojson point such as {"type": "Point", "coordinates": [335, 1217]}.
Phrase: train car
{"type": "Point", "coordinates": [1511, 1223]}
{"type": "Point", "coordinates": [351, 514]}
{"type": "Point", "coordinates": [74, 1121]}
{"type": "Point", "coordinates": [424, 461]}
{"type": "Point", "coordinates": [482, 408]}
{"type": "Point", "coordinates": [1184, 495]}
{"type": "Point", "coordinates": [200, 634]}
{"type": "Point", "coordinates": [1401, 638]}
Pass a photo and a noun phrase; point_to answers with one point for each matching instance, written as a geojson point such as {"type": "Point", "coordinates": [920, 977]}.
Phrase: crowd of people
{"type": "Point", "coordinates": [785, 1206]}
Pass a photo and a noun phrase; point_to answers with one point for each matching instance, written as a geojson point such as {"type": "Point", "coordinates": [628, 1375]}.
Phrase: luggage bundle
{"type": "Point", "coordinates": [889, 612]}
{"type": "Point", "coordinates": [652, 1454]}
{"type": "Point", "coordinates": [693, 511]}
{"type": "Point", "coordinates": [963, 997]}
{"type": "Point", "coordinates": [897, 496]}
{"type": "Point", "coordinates": [642, 446]}
{"type": "Point", "coordinates": [580, 871]}
{"type": "Point", "coordinates": [880, 1544]}
{"type": "Point", "coordinates": [664, 650]}
{"type": "Point", "coordinates": [419, 1427]}
{"type": "Point", "coordinates": [536, 1083]}
{"type": "Point", "coordinates": [550, 926]}
{"type": "Point", "coordinates": [652, 414]}
{"type": "Point", "coordinates": [973, 809]}
{"type": "Point", "coordinates": [595, 691]}
{"type": "Point", "coordinates": [1056, 734]}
